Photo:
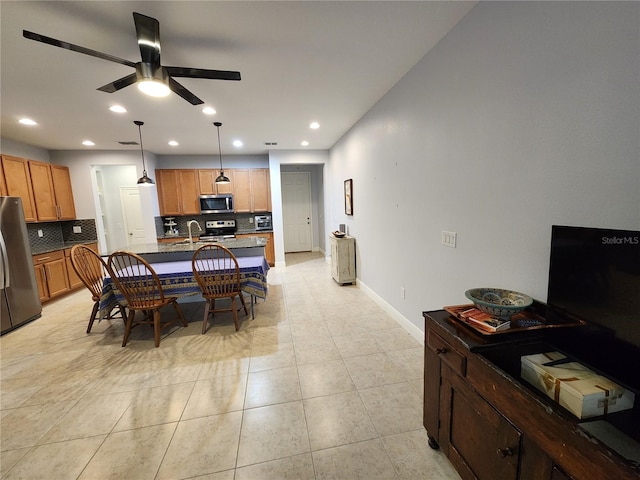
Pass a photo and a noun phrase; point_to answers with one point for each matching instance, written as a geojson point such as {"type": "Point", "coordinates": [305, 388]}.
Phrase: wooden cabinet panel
{"type": "Point", "coordinates": [207, 182]}
{"type": "Point", "coordinates": [260, 190]}
{"type": "Point", "coordinates": [63, 192]}
{"type": "Point", "coordinates": [3, 185]}
{"type": "Point", "coordinates": [178, 192]}
{"type": "Point", "coordinates": [242, 190]}
{"type": "Point", "coordinates": [41, 282]}
{"type": "Point", "coordinates": [43, 192]}
{"type": "Point", "coordinates": [18, 184]}
{"type": "Point", "coordinates": [269, 249]}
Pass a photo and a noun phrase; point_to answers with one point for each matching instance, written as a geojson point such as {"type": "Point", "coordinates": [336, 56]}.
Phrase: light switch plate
{"type": "Point", "coordinates": [449, 239]}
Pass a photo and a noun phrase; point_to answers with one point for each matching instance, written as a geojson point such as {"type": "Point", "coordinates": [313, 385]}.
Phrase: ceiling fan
{"type": "Point", "coordinates": [152, 77]}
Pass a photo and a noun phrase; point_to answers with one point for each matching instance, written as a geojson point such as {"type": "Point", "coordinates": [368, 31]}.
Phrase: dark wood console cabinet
{"type": "Point", "coordinates": [490, 424]}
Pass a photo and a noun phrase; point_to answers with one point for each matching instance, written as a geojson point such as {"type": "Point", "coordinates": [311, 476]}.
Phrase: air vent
{"type": "Point", "coordinates": [128, 143]}
{"type": "Point", "coordinates": [271, 143]}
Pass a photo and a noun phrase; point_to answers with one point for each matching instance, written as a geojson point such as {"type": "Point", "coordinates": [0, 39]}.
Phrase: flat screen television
{"type": "Point", "coordinates": [594, 275]}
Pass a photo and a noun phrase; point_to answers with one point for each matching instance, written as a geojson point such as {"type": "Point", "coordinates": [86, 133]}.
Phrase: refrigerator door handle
{"type": "Point", "coordinates": [4, 264]}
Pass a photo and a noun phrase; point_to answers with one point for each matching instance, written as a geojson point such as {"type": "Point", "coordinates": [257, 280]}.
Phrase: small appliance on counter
{"type": "Point", "coordinates": [218, 229]}
{"type": "Point", "coordinates": [171, 226]}
{"type": "Point", "coordinates": [263, 222]}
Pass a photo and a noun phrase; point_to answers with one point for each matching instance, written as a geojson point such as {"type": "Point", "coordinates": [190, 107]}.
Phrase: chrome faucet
{"type": "Point", "coordinates": [189, 223]}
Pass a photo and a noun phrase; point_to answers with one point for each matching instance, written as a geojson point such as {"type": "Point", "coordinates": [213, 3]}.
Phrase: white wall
{"type": "Point", "coordinates": [18, 149]}
{"type": "Point", "coordinates": [526, 114]}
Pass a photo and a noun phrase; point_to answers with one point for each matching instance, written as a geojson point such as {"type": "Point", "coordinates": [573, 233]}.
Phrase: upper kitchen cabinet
{"type": "Point", "coordinates": [252, 191]}
{"type": "Point", "coordinates": [17, 182]}
{"type": "Point", "coordinates": [52, 191]}
{"type": "Point", "coordinates": [178, 192]}
{"type": "Point", "coordinates": [208, 185]}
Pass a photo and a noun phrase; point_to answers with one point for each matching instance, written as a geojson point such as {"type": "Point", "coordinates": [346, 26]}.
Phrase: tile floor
{"type": "Point", "coordinates": [322, 384]}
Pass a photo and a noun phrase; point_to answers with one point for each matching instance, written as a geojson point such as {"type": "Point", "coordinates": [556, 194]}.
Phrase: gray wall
{"type": "Point", "coordinates": [526, 114]}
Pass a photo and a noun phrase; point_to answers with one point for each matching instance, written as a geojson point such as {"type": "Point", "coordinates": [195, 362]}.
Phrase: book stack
{"type": "Point", "coordinates": [483, 321]}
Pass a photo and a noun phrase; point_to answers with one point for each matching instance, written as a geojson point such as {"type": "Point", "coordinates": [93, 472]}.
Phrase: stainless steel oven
{"type": "Point", "coordinates": [263, 222]}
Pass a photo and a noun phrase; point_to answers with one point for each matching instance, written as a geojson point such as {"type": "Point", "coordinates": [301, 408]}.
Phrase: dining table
{"type": "Point", "coordinates": [178, 280]}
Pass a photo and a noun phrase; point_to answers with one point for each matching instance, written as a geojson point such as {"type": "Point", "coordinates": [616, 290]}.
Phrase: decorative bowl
{"type": "Point", "coordinates": [339, 234]}
{"type": "Point", "coordinates": [497, 302]}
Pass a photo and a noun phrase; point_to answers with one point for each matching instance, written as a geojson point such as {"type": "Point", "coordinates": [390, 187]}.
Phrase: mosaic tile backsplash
{"type": "Point", "coordinates": [57, 235]}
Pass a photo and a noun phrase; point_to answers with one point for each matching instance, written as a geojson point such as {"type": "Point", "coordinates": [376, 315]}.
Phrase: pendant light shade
{"type": "Point", "coordinates": [222, 178]}
{"type": "Point", "coordinates": [144, 179]}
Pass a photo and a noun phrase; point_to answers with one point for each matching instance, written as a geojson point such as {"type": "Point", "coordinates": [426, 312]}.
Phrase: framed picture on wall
{"type": "Point", "coordinates": [348, 197]}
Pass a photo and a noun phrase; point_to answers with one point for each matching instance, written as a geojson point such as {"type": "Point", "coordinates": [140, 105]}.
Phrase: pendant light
{"type": "Point", "coordinates": [222, 178]}
{"type": "Point", "coordinates": [144, 179]}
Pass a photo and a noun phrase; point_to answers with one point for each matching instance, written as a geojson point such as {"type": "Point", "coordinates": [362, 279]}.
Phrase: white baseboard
{"type": "Point", "coordinates": [414, 331]}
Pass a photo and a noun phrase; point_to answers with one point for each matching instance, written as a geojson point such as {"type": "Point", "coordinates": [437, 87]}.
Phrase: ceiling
{"type": "Point", "coordinates": [301, 61]}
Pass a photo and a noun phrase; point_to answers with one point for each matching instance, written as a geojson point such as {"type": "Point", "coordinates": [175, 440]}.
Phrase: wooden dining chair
{"type": "Point", "coordinates": [141, 287]}
{"type": "Point", "coordinates": [217, 272]}
{"type": "Point", "coordinates": [91, 269]}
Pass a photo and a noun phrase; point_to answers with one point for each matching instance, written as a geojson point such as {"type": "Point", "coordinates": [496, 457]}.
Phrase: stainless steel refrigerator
{"type": "Point", "coordinates": [18, 290]}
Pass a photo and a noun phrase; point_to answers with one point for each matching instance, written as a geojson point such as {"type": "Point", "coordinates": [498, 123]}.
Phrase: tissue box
{"type": "Point", "coordinates": [578, 389]}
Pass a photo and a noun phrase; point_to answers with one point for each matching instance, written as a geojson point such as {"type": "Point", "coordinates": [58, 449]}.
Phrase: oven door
{"type": "Point", "coordinates": [216, 203]}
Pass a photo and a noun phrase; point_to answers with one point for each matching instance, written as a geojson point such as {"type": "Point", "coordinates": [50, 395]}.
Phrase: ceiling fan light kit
{"type": "Point", "coordinates": [151, 76]}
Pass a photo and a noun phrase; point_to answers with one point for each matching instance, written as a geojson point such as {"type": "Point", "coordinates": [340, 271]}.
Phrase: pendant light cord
{"type": "Point", "coordinates": [219, 148]}
{"type": "Point", "coordinates": [144, 168]}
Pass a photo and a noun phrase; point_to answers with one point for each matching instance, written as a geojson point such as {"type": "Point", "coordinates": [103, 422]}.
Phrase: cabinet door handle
{"type": "Point", "coordinates": [441, 350]}
{"type": "Point", "coordinates": [505, 452]}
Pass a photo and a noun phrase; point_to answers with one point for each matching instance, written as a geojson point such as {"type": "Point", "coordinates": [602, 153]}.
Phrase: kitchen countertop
{"type": "Point", "coordinates": [182, 246]}
{"type": "Point", "coordinates": [60, 246]}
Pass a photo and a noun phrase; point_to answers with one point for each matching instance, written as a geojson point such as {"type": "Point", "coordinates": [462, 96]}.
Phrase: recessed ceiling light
{"type": "Point", "coordinates": [209, 111]}
{"type": "Point", "coordinates": [88, 143]}
{"type": "Point", "coordinates": [314, 125]}
{"type": "Point", "coordinates": [304, 143]}
{"type": "Point", "coordinates": [173, 143]}
{"type": "Point", "coordinates": [118, 109]}
{"type": "Point", "coordinates": [237, 143]}
{"type": "Point", "coordinates": [27, 121]}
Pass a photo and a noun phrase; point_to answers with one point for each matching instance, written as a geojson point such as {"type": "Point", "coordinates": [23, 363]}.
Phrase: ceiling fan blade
{"type": "Point", "coordinates": [148, 33]}
{"type": "Point", "coordinates": [120, 83]}
{"type": "Point", "coordinates": [76, 48]}
{"type": "Point", "coordinates": [184, 93]}
{"type": "Point", "coordinates": [202, 73]}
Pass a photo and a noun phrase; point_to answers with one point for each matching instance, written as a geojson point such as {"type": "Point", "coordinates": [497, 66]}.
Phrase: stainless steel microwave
{"type": "Point", "coordinates": [216, 203]}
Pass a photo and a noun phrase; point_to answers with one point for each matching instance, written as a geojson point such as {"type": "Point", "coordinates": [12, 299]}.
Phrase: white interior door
{"type": "Point", "coordinates": [296, 211]}
{"type": "Point", "coordinates": [132, 213]}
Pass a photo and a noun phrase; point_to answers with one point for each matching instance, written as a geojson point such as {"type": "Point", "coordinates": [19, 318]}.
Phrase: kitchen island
{"type": "Point", "coordinates": [183, 250]}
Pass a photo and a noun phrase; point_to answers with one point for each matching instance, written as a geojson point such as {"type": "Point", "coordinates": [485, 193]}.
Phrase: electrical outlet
{"type": "Point", "coordinates": [449, 239]}
{"type": "Point", "coordinates": [40, 234]}
{"type": "Point", "coordinates": [77, 229]}
{"type": "Point", "coordinates": [250, 220]}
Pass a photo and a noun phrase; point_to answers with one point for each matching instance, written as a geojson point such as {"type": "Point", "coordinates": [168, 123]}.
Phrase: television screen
{"type": "Point", "coordinates": [594, 274]}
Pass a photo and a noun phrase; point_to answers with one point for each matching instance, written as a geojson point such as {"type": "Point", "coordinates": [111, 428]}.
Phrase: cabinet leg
{"type": "Point", "coordinates": [432, 443]}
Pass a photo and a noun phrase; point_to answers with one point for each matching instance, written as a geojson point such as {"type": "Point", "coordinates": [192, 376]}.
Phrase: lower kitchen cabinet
{"type": "Point", "coordinates": [269, 249]}
{"type": "Point", "coordinates": [490, 425]}
{"type": "Point", "coordinates": [55, 275]}
{"type": "Point", "coordinates": [51, 274]}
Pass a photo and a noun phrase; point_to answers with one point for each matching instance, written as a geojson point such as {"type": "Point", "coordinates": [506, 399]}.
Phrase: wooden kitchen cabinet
{"type": "Point", "coordinates": [178, 191]}
{"type": "Point", "coordinates": [52, 191]}
{"type": "Point", "coordinates": [3, 185]}
{"type": "Point", "coordinates": [252, 190]}
{"type": "Point", "coordinates": [17, 181]}
{"type": "Point", "coordinates": [207, 182]}
{"type": "Point", "coordinates": [51, 274]}
{"type": "Point", "coordinates": [492, 426]}
{"type": "Point", "coordinates": [269, 249]}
